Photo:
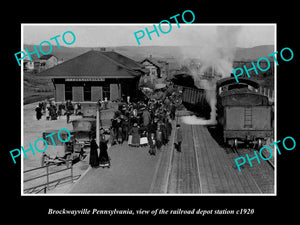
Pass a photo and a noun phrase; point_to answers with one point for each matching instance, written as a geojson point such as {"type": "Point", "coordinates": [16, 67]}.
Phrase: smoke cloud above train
{"type": "Point", "coordinates": [214, 58]}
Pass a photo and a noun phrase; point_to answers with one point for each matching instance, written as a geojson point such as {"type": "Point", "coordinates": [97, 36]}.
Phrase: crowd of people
{"type": "Point", "coordinates": [141, 123]}
{"type": "Point", "coordinates": [53, 111]}
{"type": "Point", "coordinates": [144, 123]}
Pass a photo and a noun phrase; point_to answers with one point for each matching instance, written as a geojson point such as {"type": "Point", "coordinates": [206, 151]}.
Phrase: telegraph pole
{"type": "Point", "coordinates": [98, 122]}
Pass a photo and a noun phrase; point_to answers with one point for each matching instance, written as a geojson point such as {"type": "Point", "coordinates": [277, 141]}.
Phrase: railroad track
{"type": "Point", "coordinates": [203, 167]}
{"type": "Point", "coordinates": [271, 162]}
{"type": "Point", "coordinates": [261, 173]}
{"type": "Point", "coordinates": [183, 168]}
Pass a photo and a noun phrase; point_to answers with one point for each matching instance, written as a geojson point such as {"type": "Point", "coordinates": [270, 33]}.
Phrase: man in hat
{"type": "Point", "coordinates": [146, 117]}
{"type": "Point", "coordinates": [178, 138]}
{"type": "Point", "coordinates": [173, 111]}
{"type": "Point", "coordinates": [38, 111]}
{"type": "Point", "coordinates": [125, 128]}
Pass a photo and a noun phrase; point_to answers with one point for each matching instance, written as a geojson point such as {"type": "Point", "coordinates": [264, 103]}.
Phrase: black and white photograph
{"type": "Point", "coordinates": [168, 109]}
{"type": "Point", "coordinates": [130, 112]}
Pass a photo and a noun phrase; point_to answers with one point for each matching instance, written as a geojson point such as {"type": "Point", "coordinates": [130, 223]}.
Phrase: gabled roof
{"type": "Point", "coordinates": [152, 61]}
{"type": "Point", "coordinates": [96, 64]}
{"type": "Point", "coordinates": [123, 60]}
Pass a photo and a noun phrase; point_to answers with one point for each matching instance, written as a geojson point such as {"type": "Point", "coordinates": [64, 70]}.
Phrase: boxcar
{"type": "Point", "coordinates": [243, 114]}
{"type": "Point", "coordinates": [193, 98]}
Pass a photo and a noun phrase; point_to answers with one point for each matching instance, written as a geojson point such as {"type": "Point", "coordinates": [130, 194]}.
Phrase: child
{"type": "Point", "coordinates": [152, 144]}
{"type": "Point", "coordinates": [178, 138]}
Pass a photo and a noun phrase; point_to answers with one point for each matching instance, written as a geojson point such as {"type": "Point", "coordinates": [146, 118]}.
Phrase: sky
{"type": "Point", "coordinates": [104, 35]}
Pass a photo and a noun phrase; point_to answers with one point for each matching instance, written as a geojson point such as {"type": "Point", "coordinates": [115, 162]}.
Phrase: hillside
{"type": "Point", "coordinates": [36, 88]}
{"type": "Point", "coordinates": [138, 53]}
{"type": "Point", "coordinates": [64, 53]}
{"type": "Point", "coordinates": [249, 54]}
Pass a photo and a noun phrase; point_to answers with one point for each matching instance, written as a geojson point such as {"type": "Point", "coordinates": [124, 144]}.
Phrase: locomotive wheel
{"type": "Point", "coordinates": [259, 143]}
{"type": "Point", "coordinates": [235, 143]}
{"type": "Point", "coordinates": [229, 142]}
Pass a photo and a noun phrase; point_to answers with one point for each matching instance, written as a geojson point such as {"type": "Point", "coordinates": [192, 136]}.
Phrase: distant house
{"type": "Point", "coordinates": [157, 68]}
{"type": "Point", "coordinates": [28, 64]}
{"type": "Point", "coordinates": [47, 61]}
{"type": "Point", "coordinates": [39, 64]}
{"type": "Point", "coordinates": [60, 61]}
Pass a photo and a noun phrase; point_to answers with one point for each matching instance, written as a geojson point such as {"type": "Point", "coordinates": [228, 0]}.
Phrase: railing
{"type": "Point", "coordinates": [267, 92]}
{"type": "Point", "coordinates": [46, 185]}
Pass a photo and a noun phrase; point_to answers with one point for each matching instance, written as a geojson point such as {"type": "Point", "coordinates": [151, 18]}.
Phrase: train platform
{"type": "Point", "coordinates": [217, 171]}
{"type": "Point", "coordinates": [202, 167]}
{"type": "Point", "coordinates": [131, 171]}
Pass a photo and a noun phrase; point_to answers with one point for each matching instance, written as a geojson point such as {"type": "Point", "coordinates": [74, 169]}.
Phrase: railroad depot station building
{"type": "Point", "coordinates": [96, 75]}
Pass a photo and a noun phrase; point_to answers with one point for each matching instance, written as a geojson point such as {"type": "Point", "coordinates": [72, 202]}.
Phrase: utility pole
{"type": "Point", "coordinates": [98, 122]}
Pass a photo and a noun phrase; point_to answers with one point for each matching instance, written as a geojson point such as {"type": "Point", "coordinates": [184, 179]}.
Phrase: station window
{"type": "Point", "coordinates": [106, 91]}
{"type": "Point", "coordinates": [68, 92]}
{"type": "Point", "coordinates": [87, 92]}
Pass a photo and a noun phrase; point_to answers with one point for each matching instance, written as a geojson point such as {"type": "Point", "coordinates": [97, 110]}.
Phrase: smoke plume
{"type": "Point", "coordinates": [215, 60]}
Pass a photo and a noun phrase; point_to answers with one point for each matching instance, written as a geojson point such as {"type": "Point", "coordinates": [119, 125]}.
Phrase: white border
{"type": "Point", "coordinates": [147, 24]}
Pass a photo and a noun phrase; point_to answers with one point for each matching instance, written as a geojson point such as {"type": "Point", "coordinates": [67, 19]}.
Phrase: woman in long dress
{"type": "Point", "coordinates": [38, 111]}
{"type": "Point", "coordinates": [94, 160]}
{"type": "Point", "coordinates": [103, 155]}
{"type": "Point", "coordinates": [158, 138]}
{"type": "Point", "coordinates": [135, 135]}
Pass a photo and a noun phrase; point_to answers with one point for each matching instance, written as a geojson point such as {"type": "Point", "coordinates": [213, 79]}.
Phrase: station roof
{"type": "Point", "coordinates": [96, 64]}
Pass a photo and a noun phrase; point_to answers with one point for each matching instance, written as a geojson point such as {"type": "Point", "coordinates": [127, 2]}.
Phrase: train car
{"type": "Point", "coordinates": [193, 98]}
{"type": "Point", "coordinates": [243, 114]}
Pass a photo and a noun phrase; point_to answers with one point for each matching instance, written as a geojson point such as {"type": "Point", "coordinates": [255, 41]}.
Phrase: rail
{"type": "Point", "coordinates": [46, 185]}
